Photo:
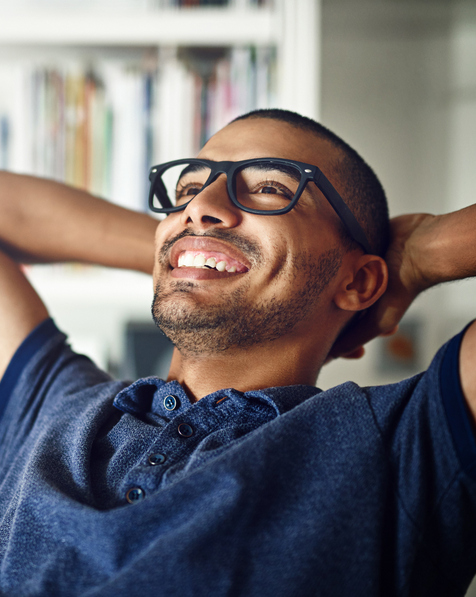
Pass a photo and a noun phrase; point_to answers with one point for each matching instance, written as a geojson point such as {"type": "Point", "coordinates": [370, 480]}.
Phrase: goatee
{"type": "Point", "coordinates": [231, 321]}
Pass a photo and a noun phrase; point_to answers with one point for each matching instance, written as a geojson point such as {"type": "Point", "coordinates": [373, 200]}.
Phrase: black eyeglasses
{"type": "Point", "coordinates": [263, 186]}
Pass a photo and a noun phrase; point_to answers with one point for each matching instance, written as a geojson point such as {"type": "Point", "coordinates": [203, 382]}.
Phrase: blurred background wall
{"type": "Point", "coordinates": [399, 83]}
{"type": "Point", "coordinates": [94, 92]}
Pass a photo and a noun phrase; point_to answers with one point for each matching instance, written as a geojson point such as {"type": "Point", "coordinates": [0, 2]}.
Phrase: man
{"type": "Point", "coordinates": [238, 476]}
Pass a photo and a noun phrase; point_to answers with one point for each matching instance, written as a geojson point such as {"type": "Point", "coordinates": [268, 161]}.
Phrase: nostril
{"type": "Point", "coordinates": [205, 220]}
{"type": "Point", "coordinates": [211, 220]}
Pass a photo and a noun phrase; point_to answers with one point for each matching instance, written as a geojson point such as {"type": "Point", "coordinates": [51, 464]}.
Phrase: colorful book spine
{"type": "Point", "coordinates": [101, 126]}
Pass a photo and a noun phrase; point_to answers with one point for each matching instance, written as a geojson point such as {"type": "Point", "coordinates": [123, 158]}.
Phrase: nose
{"type": "Point", "coordinates": [212, 208]}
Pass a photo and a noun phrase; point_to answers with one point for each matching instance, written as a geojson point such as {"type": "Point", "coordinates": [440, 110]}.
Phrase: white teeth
{"type": "Point", "coordinates": [189, 260]}
{"type": "Point", "coordinates": [199, 261]}
{"type": "Point", "coordinates": [211, 262]}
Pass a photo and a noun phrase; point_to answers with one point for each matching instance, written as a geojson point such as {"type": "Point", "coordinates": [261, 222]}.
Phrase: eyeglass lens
{"type": "Point", "coordinates": [262, 186]}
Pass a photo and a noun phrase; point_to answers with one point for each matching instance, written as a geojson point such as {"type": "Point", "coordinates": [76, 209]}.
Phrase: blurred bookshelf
{"type": "Point", "coordinates": [93, 92]}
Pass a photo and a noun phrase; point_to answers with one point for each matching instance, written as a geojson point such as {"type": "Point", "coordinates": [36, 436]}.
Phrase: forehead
{"type": "Point", "coordinates": [264, 137]}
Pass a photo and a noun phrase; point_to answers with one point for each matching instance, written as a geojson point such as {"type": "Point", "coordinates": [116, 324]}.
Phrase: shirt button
{"type": "Point", "coordinates": [134, 495]}
{"type": "Point", "coordinates": [185, 430]}
{"type": "Point", "coordinates": [170, 402]}
{"type": "Point", "coordinates": [157, 459]}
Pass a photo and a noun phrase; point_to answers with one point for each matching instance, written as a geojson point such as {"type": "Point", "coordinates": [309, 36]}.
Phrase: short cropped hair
{"type": "Point", "coordinates": [361, 189]}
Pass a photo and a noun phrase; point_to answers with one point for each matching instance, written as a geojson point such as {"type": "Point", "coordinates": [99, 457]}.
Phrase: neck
{"type": "Point", "coordinates": [278, 363]}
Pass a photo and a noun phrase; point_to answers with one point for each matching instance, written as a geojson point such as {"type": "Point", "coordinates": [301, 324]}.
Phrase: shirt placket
{"type": "Point", "coordinates": [175, 443]}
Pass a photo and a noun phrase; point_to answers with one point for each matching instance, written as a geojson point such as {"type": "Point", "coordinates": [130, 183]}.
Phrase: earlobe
{"type": "Point", "coordinates": [364, 284]}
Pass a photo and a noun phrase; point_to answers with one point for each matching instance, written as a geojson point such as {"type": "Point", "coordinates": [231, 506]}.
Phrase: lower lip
{"type": "Point", "coordinates": [195, 273]}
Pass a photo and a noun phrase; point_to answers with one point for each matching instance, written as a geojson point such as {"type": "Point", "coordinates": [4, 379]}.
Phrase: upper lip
{"type": "Point", "coordinates": [205, 243]}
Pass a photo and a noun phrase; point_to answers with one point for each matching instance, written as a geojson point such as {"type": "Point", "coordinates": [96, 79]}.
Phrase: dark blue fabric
{"type": "Point", "coordinates": [281, 492]}
{"type": "Point", "coordinates": [456, 409]}
{"type": "Point", "coordinates": [25, 352]}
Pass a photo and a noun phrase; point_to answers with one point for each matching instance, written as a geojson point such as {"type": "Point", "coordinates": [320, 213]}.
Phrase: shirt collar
{"type": "Point", "coordinates": [148, 395]}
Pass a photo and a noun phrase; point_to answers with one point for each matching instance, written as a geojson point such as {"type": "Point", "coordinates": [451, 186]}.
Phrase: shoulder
{"type": "Point", "coordinates": [467, 369]}
{"type": "Point", "coordinates": [44, 376]}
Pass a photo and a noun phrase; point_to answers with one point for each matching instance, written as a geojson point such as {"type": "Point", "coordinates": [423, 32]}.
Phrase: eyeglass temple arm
{"type": "Point", "coordinates": [344, 213]}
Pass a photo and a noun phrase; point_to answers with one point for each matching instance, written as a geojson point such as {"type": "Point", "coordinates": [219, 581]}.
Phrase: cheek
{"type": "Point", "coordinates": [162, 233]}
{"type": "Point", "coordinates": [301, 252]}
{"type": "Point", "coordinates": [164, 229]}
{"type": "Point", "coordinates": [156, 273]}
{"type": "Point", "coordinates": [281, 252]}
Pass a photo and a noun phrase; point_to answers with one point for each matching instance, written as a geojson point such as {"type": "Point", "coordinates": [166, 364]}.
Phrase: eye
{"type": "Point", "coordinates": [268, 189]}
{"type": "Point", "coordinates": [274, 188]}
{"type": "Point", "coordinates": [185, 191]}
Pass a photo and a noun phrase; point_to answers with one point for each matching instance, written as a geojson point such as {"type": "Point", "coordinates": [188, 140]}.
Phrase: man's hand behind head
{"type": "Point", "coordinates": [407, 278]}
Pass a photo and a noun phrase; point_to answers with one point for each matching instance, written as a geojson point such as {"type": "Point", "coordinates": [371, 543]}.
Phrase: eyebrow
{"type": "Point", "coordinates": [264, 167]}
{"type": "Point", "coordinates": [191, 168]}
{"type": "Point", "coordinates": [285, 169]}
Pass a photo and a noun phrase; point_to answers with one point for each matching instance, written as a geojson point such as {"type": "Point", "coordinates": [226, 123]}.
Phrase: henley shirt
{"type": "Point", "coordinates": [110, 489]}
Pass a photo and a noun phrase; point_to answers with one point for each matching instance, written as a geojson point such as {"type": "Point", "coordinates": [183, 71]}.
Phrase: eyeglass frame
{"type": "Point", "coordinates": [308, 172]}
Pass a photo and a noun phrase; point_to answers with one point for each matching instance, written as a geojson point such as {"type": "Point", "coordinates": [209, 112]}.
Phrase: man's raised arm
{"type": "Point", "coordinates": [425, 250]}
{"type": "Point", "coordinates": [44, 221]}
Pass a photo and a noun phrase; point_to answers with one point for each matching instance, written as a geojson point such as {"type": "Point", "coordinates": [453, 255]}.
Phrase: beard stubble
{"type": "Point", "coordinates": [232, 322]}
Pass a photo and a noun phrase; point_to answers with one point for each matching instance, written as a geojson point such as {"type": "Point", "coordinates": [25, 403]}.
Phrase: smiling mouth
{"type": "Point", "coordinates": [211, 260]}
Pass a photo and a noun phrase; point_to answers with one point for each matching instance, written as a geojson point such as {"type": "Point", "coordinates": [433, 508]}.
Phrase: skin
{"type": "Point", "coordinates": [426, 250]}
{"type": "Point", "coordinates": [309, 231]}
{"type": "Point", "coordinates": [45, 222]}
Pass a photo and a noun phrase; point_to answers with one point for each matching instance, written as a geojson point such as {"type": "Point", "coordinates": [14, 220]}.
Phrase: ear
{"type": "Point", "coordinates": [364, 283]}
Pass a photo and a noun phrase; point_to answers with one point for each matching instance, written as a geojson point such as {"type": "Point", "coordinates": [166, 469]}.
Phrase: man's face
{"type": "Point", "coordinates": [278, 270]}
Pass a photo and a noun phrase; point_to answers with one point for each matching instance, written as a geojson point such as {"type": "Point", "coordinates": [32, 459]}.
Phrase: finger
{"type": "Point", "coordinates": [358, 353]}
{"type": "Point", "coordinates": [356, 337]}
{"type": "Point", "coordinates": [374, 323]}
{"type": "Point", "coordinates": [390, 332]}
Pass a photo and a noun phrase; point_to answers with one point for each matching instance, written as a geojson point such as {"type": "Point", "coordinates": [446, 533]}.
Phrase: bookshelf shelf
{"type": "Point", "coordinates": [92, 304]}
{"type": "Point", "coordinates": [85, 284]}
{"type": "Point", "coordinates": [191, 27]}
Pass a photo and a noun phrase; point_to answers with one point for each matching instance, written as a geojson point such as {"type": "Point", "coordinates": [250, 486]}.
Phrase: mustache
{"type": "Point", "coordinates": [248, 247]}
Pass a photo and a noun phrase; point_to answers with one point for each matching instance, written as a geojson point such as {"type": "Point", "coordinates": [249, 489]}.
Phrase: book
{"type": "Point", "coordinates": [100, 123]}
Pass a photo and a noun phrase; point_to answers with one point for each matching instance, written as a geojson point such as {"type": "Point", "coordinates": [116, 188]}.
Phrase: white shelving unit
{"type": "Point", "coordinates": [174, 27]}
{"type": "Point", "coordinates": [293, 28]}
{"type": "Point", "coordinates": [92, 306]}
